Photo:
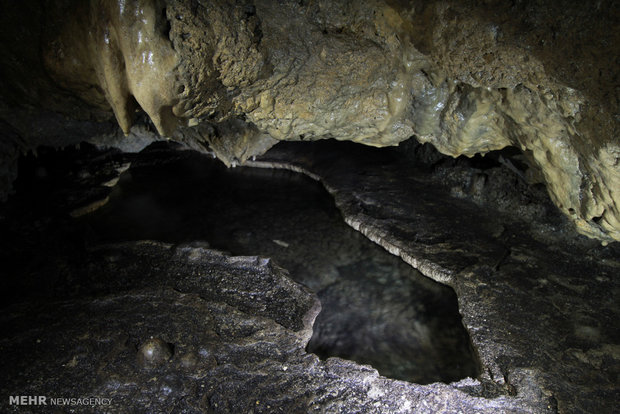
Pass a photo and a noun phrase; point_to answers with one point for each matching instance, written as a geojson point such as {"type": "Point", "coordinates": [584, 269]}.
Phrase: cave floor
{"type": "Point", "coordinates": [539, 301]}
{"type": "Point", "coordinates": [376, 309]}
{"type": "Point", "coordinates": [82, 295]}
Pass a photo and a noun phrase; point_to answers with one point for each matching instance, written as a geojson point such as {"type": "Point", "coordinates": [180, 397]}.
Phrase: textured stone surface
{"type": "Point", "coordinates": [376, 309]}
{"type": "Point", "coordinates": [469, 77]}
{"type": "Point", "coordinates": [540, 305]}
{"type": "Point", "coordinates": [237, 327]}
{"type": "Point", "coordinates": [538, 300]}
{"type": "Point", "coordinates": [121, 47]}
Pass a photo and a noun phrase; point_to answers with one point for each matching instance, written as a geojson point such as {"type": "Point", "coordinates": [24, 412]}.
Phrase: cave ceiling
{"type": "Point", "coordinates": [468, 77]}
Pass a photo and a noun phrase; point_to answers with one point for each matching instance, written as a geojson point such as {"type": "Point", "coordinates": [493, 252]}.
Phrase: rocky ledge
{"type": "Point", "coordinates": [540, 306]}
{"type": "Point", "coordinates": [206, 332]}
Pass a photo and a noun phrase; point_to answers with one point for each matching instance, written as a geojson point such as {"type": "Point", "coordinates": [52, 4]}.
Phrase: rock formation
{"type": "Point", "coordinates": [179, 326]}
{"type": "Point", "coordinates": [534, 79]}
{"type": "Point", "coordinates": [468, 77]}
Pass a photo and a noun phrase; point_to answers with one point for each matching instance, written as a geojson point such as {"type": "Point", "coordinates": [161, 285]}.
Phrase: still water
{"type": "Point", "coordinates": [376, 309]}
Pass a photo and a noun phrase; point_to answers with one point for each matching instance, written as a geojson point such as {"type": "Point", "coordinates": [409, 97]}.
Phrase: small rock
{"type": "Point", "coordinates": [189, 360]}
{"type": "Point", "coordinates": [154, 353]}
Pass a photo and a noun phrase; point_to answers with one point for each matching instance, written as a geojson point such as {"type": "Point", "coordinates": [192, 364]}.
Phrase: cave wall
{"type": "Point", "coordinates": [238, 76]}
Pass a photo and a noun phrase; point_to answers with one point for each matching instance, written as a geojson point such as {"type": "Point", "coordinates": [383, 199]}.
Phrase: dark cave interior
{"type": "Point", "coordinates": [376, 309]}
{"type": "Point", "coordinates": [70, 205]}
{"type": "Point", "coordinates": [259, 206]}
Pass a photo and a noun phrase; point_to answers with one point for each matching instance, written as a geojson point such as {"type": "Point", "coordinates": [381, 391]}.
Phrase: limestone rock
{"type": "Point", "coordinates": [121, 47]}
{"type": "Point", "coordinates": [502, 268]}
{"type": "Point", "coordinates": [153, 353]}
{"type": "Point", "coordinates": [239, 327]}
{"type": "Point", "coordinates": [468, 77]}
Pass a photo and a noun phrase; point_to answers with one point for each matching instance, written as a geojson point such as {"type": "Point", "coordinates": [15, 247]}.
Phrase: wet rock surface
{"type": "Point", "coordinates": [233, 331]}
{"type": "Point", "coordinates": [376, 309]}
{"type": "Point", "coordinates": [213, 317]}
{"type": "Point", "coordinates": [232, 78]}
{"type": "Point", "coordinates": [539, 303]}
{"type": "Point", "coordinates": [468, 77]}
{"type": "Point", "coordinates": [230, 354]}
{"type": "Point", "coordinates": [225, 359]}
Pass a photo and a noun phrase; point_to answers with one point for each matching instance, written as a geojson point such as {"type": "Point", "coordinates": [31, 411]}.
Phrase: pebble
{"type": "Point", "coordinates": [153, 353]}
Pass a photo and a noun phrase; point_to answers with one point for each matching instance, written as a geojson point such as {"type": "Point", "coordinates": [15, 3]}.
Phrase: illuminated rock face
{"type": "Point", "coordinates": [467, 78]}
{"type": "Point", "coordinates": [119, 48]}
